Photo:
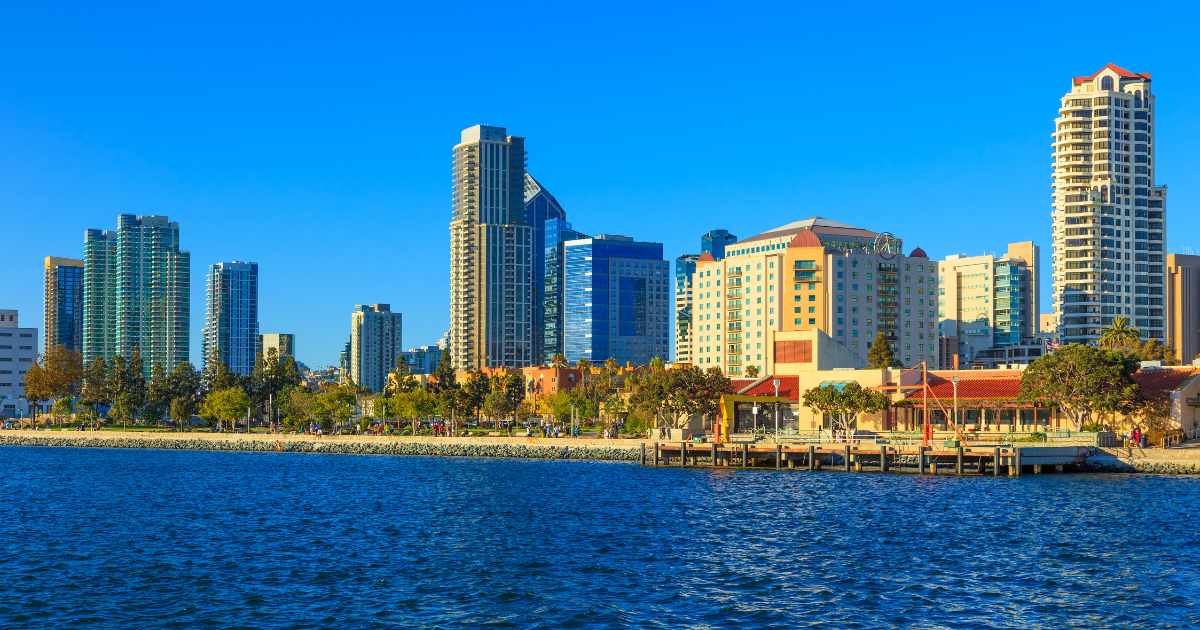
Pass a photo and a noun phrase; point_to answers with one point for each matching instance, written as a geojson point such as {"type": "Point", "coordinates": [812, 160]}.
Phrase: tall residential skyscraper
{"type": "Point", "coordinates": [136, 292]}
{"type": "Point", "coordinates": [685, 268]}
{"type": "Point", "coordinates": [987, 302]}
{"type": "Point", "coordinates": [63, 303]}
{"type": "Point", "coordinates": [1183, 306]}
{"type": "Point", "coordinates": [491, 253]}
{"type": "Point", "coordinates": [231, 322]}
{"type": "Point", "coordinates": [813, 274]}
{"type": "Point", "coordinates": [541, 208]}
{"type": "Point", "coordinates": [18, 351]}
{"type": "Point", "coordinates": [556, 232]}
{"type": "Point", "coordinates": [616, 300]}
{"type": "Point", "coordinates": [1109, 214]}
{"type": "Point", "coordinates": [712, 243]}
{"type": "Point", "coordinates": [284, 344]}
{"type": "Point", "coordinates": [376, 343]}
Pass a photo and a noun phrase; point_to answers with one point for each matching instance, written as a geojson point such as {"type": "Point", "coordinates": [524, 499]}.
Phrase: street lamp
{"type": "Point", "coordinates": [775, 382]}
{"type": "Point", "coordinates": [754, 418]}
{"type": "Point", "coordinates": [954, 381]}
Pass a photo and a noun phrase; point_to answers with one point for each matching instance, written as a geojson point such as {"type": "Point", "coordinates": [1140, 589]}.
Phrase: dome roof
{"type": "Point", "coordinates": [805, 238]}
{"type": "Point", "coordinates": [917, 253]}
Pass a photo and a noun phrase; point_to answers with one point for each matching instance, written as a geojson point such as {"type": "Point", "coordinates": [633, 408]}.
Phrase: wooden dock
{"type": "Point", "coordinates": [869, 457]}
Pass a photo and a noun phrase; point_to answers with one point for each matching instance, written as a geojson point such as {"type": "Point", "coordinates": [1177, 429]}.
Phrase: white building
{"type": "Point", "coordinates": [376, 343]}
{"type": "Point", "coordinates": [1109, 214]}
{"type": "Point", "coordinates": [491, 255]}
{"type": "Point", "coordinates": [987, 302]}
{"type": "Point", "coordinates": [18, 351]}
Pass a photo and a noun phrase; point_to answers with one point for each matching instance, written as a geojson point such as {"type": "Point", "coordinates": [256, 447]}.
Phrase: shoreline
{"type": "Point", "coordinates": [521, 448]}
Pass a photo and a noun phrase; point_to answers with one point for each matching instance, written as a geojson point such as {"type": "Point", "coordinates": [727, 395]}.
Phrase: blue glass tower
{"type": "Point", "coordinates": [714, 243]}
{"type": "Point", "coordinates": [616, 300]}
{"type": "Point", "coordinates": [231, 324]}
{"type": "Point", "coordinates": [557, 232]}
{"type": "Point", "coordinates": [541, 209]}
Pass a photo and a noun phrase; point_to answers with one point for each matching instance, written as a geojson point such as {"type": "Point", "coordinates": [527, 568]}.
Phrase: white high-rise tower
{"type": "Point", "coordinates": [1109, 219]}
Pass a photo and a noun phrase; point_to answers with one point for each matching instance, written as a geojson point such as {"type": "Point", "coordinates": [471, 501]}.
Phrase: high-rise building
{"type": "Point", "coordinates": [1183, 306]}
{"type": "Point", "coordinates": [136, 292]}
{"type": "Point", "coordinates": [231, 322]}
{"type": "Point", "coordinates": [712, 243]}
{"type": "Point", "coordinates": [284, 344]}
{"type": "Point", "coordinates": [987, 302]}
{"type": "Point", "coordinates": [542, 212]}
{"type": "Point", "coordinates": [423, 359]}
{"type": "Point", "coordinates": [63, 303]}
{"type": "Point", "coordinates": [376, 343]}
{"type": "Point", "coordinates": [617, 296]}
{"type": "Point", "coordinates": [1109, 214]}
{"type": "Point", "coordinates": [556, 232]}
{"type": "Point", "coordinates": [491, 253]}
{"type": "Point", "coordinates": [18, 351]}
{"type": "Point", "coordinates": [685, 268]}
{"type": "Point", "coordinates": [813, 274]}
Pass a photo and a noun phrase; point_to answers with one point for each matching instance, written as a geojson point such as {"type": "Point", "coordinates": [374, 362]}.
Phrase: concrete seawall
{"type": "Point", "coordinates": [528, 448]}
{"type": "Point", "coordinates": [1158, 461]}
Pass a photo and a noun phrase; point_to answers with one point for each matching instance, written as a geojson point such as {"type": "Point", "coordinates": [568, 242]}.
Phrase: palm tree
{"type": "Point", "coordinates": [558, 361]}
{"type": "Point", "coordinates": [1119, 334]}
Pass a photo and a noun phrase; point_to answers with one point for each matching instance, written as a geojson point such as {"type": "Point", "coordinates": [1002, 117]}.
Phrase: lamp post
{"type": "Point", "coordinates": [775, 382]}
{"type": "Point", "coordinates": [954, 381]}
{"type": "Point", "coordinates": [754, 419]}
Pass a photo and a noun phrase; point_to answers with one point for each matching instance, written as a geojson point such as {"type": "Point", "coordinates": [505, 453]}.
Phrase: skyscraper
{"type": "Point", "coordinates": [1109, 214]}
{"type": "Point", "coordinates": [376, 343]}
{"type": "Point", "coordinates": [987, 302]}
{"type": "Point", "coordinates": [712, 243]}
{"type": "Point", "coordinates": [491, 253]}
{"type": "Point", "coordinates": [136, 292]}
{"type": "Point", "coordinates": [1183, 303]}
{"type": "Point", "coordinates": [284, 344]}
{"type": "Point", "coordinates": [63, 303]}
{"type": "Point", "coordinates": [556, 232]}
{"type": "Point", "coordinates": [231, 322]}
{"type": "Point", "coordinates": [616, 300]}
{"type": "Point", "coordinates": [541, 208]}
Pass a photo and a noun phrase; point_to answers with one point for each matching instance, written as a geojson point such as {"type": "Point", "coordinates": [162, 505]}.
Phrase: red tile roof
{"type": "Point", "coordinates": [1156, 382]}
{"type": "Point", "coordinates": [1121, 72]}
{"type": "Point", "coordinates": [972, 385]}
{"type": "Point", "coordinates": [705, 257]}
{"type": "Point", "coordinates": [789, 387]}
{"type": "Point", "coordinates": [805, 238]}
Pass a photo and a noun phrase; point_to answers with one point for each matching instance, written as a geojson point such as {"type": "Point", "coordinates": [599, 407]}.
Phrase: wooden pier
{"type": "Point", "coordinates": [869, 457]}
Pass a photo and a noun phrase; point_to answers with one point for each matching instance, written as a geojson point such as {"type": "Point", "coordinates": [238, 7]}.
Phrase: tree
{"type": "Point", "coordinates": [184, 385]}
{"type": "Point", "coordinates": [443, 374]}
{"type": "Point", "coordinates": [880, 356]}
{"type": "Point", "coordinates": [225, 405]}
{"type": "Point", "coordinates": [95, 392]}
{"type": "Point", "coordinates": [158, 394]}
{"type": "Point", "coordinates": [843, 403]}
{"type": "Point", "coordinates": [182, 410]}
{"type": "Point", "coordinates": [752, 371]}
{"type": "Point", "coordinates": [1081, 381]}
{"type": "Point", "coordinates": [1119, 334]}
{"type": "Point", "coordinates": [513, 386]}
{"type": "Point", "coordinates": [559, 360]}
{"type": "Point", "coordinates": [39, 387]}
{"type": "Point", "coordinates": [477, 389]}
{"type": "Point", "coordinates": [401, 379]}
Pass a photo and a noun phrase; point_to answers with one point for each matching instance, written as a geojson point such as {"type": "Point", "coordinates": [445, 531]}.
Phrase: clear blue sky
{"type": "Point", "coordinates": [316, 139]}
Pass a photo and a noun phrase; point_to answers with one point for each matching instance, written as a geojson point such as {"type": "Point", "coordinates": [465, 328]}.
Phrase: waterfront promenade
{"type": "Point", "coordinates": [528, 447]}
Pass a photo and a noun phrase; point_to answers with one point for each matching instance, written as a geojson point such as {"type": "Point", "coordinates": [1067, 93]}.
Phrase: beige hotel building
{"type": "Point", "coordinates": [813, 274]}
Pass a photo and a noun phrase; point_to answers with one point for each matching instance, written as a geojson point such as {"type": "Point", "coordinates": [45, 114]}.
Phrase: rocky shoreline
{"type": "Point", "coordinates": [333, 446]}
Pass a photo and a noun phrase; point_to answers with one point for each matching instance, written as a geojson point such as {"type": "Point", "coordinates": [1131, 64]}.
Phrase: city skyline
{"type": "Point", "coordinates": [670, 188]}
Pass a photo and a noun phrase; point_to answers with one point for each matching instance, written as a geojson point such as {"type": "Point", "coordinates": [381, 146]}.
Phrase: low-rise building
{"type": "Point", "coordinates": [18, 351]}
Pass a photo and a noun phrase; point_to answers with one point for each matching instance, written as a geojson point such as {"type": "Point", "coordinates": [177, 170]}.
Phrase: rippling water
{"type": "Point", "coordinates": [115, 538]}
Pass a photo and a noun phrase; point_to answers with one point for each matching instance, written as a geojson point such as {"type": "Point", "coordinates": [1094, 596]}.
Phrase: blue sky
{"type": "Point", "coordinates": [316, 139]}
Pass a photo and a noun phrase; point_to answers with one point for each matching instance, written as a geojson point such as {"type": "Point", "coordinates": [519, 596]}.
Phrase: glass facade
{"type": "Point", "coordinates": [64, 303]}
{"type": "Point", "coordinates": [616, 300]}
{"type": "Point", "coordinates": [542, 212]}
{"type": "Point", "coordinates": [231, 324]}
{"type": "Point", "coordinates": [714, 243]}
{"type": "Point", "coordinates": [555, 233]}
{"type": "Point", "coordinates": [137, 292]}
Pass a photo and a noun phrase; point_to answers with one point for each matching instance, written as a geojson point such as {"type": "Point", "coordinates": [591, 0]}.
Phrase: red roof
{"type": "Point", "coordinates": [789, 387]}
{"type": "Point", "coordinates": [1156, 382]}
{"type": "Point", "coordinates": [705, 257]}
{"type": "Point", "coordinates": [917, 253]}
{"type": "Point", "coordinates": [1121, 72]}
{"type": "Point", "coordinates": [972, 386]}
{"type": "Point", "coordinates": [805, 238]}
